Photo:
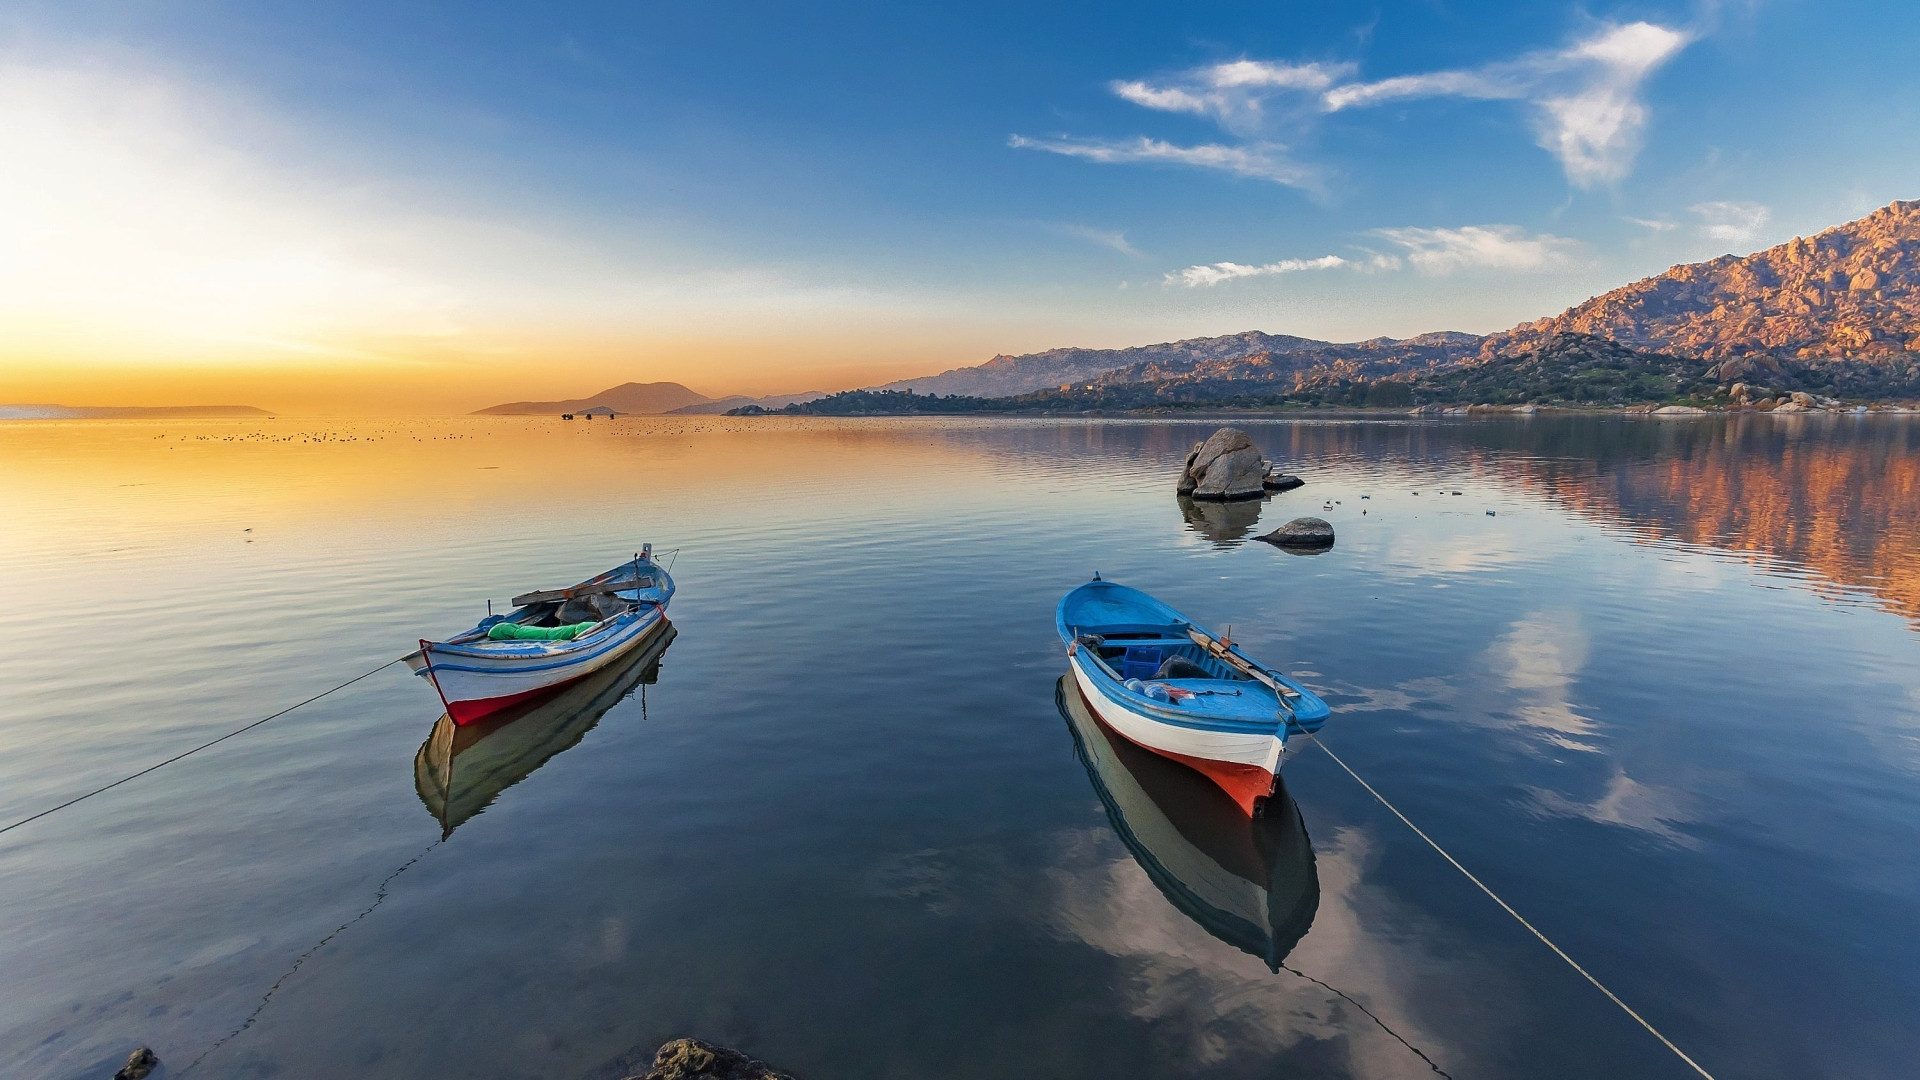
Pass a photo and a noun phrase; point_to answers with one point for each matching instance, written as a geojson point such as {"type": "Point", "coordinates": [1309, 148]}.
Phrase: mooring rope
{"type": "Point", "coordinates": [1332, 989]}
{"type": "Point", "coordinates": [379, 897]}
{"type": "Point", "coordinates": [1508, 908]}
{"type": "Point", "coordinates": [237, 731]}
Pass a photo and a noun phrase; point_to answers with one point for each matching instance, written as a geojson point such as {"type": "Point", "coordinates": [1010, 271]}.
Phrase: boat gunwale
{"type": "Point", "coordinates": [472, 644]}
{"type": "Point", "coordinates": [1186, 717]}
{"type": "Point", "coordinates": [562, 653]}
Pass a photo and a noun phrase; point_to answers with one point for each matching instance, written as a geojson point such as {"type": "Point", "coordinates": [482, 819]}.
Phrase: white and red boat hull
{"type": "Point", "coordinates": [1243, 764]}
{"type": "Point", "coordinates": [475, 683]}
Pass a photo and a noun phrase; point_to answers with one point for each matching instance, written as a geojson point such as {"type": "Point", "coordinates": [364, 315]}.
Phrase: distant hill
{"type": "Point", "coordinates": [1004, 376]}
{"type": "Point", "coordinates": [1849, 293]}
{"type": "Point", "coordinates": [1309, 364]}
{"type": "Point", "coordinates": [741, 401]}
{"type": "Point", "coordinates": [633, 397]}
{"type": "Point", "coordinates": [124, 412]}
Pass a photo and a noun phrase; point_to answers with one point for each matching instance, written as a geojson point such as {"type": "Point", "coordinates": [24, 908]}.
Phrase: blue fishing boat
{"type": "Point", "coordinates": [1170, 685]}
{"type": "Point", "coordinates": [551, 638]}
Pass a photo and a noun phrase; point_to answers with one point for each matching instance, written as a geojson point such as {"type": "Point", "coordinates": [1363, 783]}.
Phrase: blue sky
{"type": "Point", "coordinates": [771, 196]}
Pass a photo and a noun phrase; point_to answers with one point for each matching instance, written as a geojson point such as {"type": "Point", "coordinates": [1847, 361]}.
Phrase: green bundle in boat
{"type": "Point", "coordinates": [508, 631]}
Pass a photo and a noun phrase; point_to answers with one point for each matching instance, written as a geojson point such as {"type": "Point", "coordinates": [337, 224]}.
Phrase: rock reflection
{"type": "Point", "coordinates": [1250, 883]}
{"type": "Point", "coordinates": [1224, 523]}
{"type": "Point", "coordinates": [459, 771]}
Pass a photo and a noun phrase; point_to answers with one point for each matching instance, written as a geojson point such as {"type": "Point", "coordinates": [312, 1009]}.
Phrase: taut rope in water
{"type": "Point", "coordinates": [36, 817]}
{"type": "Point", "coordinates": [1508, 908]}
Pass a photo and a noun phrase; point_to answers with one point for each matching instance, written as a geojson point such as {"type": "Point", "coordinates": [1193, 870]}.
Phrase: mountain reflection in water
{"type": "Point", "coordinates": [1249, 882]}
{"type": "Point", "coordinates": [1837, 496]}
{"type": "Point", "coordinates": [459, 771]}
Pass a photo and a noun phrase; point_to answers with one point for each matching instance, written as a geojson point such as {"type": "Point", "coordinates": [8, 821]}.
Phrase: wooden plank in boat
{"type": "Point", "coordinates": [1216, 649]}
{"type": "Point", "coordinates": [541, 596]}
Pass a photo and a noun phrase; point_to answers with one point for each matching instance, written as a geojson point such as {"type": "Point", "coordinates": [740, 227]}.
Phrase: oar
{"type": "Point", "coordinates": [543, 595]}
{"type": "Point", "coordinates": [1242, 664]}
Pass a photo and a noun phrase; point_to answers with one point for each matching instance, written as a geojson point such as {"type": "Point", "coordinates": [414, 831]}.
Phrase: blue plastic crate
{"type": "Point", "coordinates": [1140, 662]}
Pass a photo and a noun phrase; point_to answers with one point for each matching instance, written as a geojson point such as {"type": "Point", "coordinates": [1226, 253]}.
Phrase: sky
{"type": "Point", "coordinates": [361, 207]}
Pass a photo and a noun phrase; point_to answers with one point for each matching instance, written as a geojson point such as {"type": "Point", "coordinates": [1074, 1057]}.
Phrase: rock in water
{"type": "Point", "coordinates": [139, 1064]}
{"type": "Point", "coordinates": [1283, 482]}
{"type": "Point", "coordinates": [1187, 480]}
{"type": "Point", "coordinates": [1236, 474]}
{"type": "Point", "coordinates": [691, 1059]}
{"type": "Point", "coordinates": [1304, 534]}
{"type": "Point", "coordinates": [1226, 466]}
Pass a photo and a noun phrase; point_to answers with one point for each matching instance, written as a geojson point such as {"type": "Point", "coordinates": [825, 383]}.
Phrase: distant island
{"type": "Point", "coordinates": [125, 412]}
{"type": "Point", "coordinates": [1805, 324]}
{"type": "Point", "coordinates": [649, 399]}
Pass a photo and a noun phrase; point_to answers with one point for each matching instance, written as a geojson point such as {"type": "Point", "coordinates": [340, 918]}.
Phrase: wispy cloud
{"type": "Point", "coordinates": [1585, 100]}
{"type": "Point", "coordinates": [1655, 224]}
{"type": "Point", "coordinates": [1215, 273]}
{"type": "Point", "coordinates": [1490, 247]}
{"type": "Point", "coordinates": [1586, 97]}
{"type": "Point", "coordinates": [1733, 222]}
{"type": "Point", "coordinates": [1105, 238]}
{"type": "Point", "coordinates": [1233, 93]}
{"type": "Point", "coordinates": [1261, 161]}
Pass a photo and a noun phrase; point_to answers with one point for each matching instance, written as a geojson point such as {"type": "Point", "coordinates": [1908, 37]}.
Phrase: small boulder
{"type": "Point", "coordinates": [139, 1064]}
{"type": "Point", "coordinates": [1282, 482]}
{"type": "Point", "coordinates": [691, 1059]}
{"type": "Point", "coordinates": [1303, 533]}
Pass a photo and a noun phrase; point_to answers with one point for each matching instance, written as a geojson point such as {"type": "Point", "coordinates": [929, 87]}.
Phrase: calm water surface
{"type": "Point", "coordinates": [1666, 701]}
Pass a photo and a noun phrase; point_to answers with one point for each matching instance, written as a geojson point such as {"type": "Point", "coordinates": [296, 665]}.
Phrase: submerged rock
{"type": "Point", "coordinates": [1304, 533]}
{"type": "Point", "coordinates": [1282, 482]}
{"type": "Point", "coordinates": [691, 1059]}
{"type": "Point", "coordinates": [139, 1064]}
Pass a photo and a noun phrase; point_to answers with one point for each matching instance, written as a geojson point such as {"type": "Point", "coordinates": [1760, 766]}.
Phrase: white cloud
{"type": "Point", "coordinates": [1585, 101]}
{"type": "Point", "coordinates": [1259, 161]}
{"type": "Point", "coordinates": [1492, 247]}
{"type": "Point", "coordinates": [1105, 238]}
{"type": "Point", "coordinates": [1215, 273]}
{"type": "Point", "coordinates": [1234, 93]}
{"type": "Point", "coordinates": [1657, 225]}
{"type": "Point", "coordinates": [1733, 222]}
{"type": "Point", "coordinates": [1585, 98]}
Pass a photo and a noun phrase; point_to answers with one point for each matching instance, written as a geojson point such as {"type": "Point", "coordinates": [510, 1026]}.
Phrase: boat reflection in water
{"type": "Point", "coordinates": [1250, 882]}
{"type": "Point", "coordinates": [460, 769]}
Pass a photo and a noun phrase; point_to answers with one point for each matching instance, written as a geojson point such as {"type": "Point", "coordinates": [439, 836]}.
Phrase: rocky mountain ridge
{"type": "Point", "coordinates": [1846, 297]}
{"type": "Point", "coordinates": [1007, 376]}
{"type": "Point", "coordinates": [1849, 293]}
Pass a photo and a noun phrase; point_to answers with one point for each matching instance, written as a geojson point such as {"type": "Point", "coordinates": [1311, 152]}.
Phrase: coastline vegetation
{"type": "Point", "coordinates": [1570, 371]}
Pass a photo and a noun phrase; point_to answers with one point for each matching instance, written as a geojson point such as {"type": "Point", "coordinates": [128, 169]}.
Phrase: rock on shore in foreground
{"type": "Point", "coordinates": [691, 1059]}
